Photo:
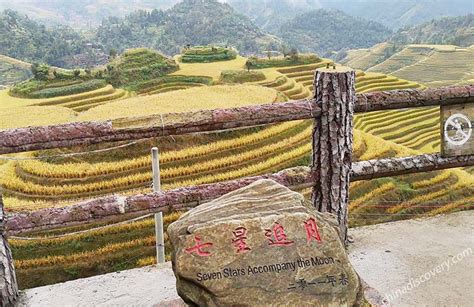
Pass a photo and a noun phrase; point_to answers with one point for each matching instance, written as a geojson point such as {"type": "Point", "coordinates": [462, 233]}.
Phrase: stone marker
{"type": "Point", "coordinates": [261, 245]}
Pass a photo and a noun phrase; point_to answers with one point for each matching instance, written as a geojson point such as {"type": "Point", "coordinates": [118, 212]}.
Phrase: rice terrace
{"type": "Point", "coordinates": [174, 78]}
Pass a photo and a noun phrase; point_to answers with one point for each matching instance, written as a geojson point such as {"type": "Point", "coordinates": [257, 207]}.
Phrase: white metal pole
{"type": "Point", "coordinates": [160, 242]}
{"type": "Point", "coordinates": [155, 165]}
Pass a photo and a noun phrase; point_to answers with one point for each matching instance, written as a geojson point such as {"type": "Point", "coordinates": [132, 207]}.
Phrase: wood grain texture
{"type": "Point", "coordinates": [8, 283]}
{"type": "Point", "coordinates": [332, 143]}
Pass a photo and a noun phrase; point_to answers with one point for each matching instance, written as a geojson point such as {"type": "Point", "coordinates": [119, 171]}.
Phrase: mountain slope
{"type": "Point", "coordinates": [324, 31]}
{"type": "Point", "coordinates": [195, 22]}
{"type": "Point", "coordinates": [449, 30]}
{"type": "Point", "coordinates": [270, 14]}
{"type": "Point", "coordinates": [83, 13]}
{"type": "Point", "coordinates": [12, 71]}
{"type": "Point", "coordinates": [27, 40]}
{"type": "Point", "coordinates": [402, 13]}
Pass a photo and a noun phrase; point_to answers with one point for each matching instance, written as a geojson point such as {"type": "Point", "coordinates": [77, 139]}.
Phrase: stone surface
{"type": "Point", "coordinates": [376, 259]}
{"type": "Point", "coordinates": [261, 245]}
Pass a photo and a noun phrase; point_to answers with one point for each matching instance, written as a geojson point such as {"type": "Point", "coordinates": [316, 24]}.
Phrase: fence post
{"type": "Point", "coordinates": [334, 92]}
{"type": "Point", "coordinates": [160, 240]}
{"type": "Point", "coordinates": [8, 284]}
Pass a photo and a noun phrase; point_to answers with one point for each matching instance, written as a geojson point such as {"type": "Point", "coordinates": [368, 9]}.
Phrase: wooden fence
{"type": "Point", "coordinates": [332, 169]}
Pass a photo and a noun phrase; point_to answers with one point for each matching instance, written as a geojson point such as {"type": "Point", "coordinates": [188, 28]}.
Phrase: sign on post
{"type": "Point", "coordinates": [457, 123]}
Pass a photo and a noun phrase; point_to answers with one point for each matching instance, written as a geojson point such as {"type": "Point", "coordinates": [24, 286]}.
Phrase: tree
{"type": "Point", "coordinates": [293, 54]}
{"type": "Point", "coordinates": [250, 63]}
{"type": "Point", "coordinates": [284, 50]}
{"type": "Point", "coordinates": [112, 53]}
{"type": "Point", "coordinates": [40, 71]}
{"type": "Point", "coordinates": [77, 72]}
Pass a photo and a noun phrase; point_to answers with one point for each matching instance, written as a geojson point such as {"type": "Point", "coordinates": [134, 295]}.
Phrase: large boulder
{"type": "Point", "coordinates": [261, 245]}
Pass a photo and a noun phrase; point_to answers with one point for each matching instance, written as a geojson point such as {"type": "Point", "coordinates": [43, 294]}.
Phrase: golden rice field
{"type": "Point", "coordinates": [220, 96]}
{"type": "Point", "coordinates": [130, 245]}
{"type": "Point", "coordinates": [432, 65]}
{"type": "Point", "coordinates": [189, 160]}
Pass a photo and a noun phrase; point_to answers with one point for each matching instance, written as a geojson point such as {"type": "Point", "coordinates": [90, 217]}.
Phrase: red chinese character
{"type": "Point", "coordinates": [239, 240]}
{"type": "Point", "coordinates": [312, 231]}
{"type": "Point", "coordinates": [277, 236]}
{"type": "Point", "coordinates": [198, 248]}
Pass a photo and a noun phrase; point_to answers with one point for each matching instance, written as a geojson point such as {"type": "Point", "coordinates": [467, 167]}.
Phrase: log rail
{"type": "Point", "coordinates": [332, 108]}
{"type": "Point", "coordinates": [87, 133]}
{"type": "Point", "coordinates": [296, 178]}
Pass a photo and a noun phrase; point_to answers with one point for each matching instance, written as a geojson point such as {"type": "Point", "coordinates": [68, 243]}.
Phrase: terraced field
{"type": "Point", "coordinates": [432, 65]}
{"type": "Point", "coordinates": [129, 245]}
{"type": "Point", "coordinates": [189, 160]}
{"type": "Point", "coordinates": [13, 70]}
{"type": "Point", "coordinates": [85, 101]}
{"type": "Point", "coordinates": [26, 180]}
{"type": "Point", "coordinates": [366, 58]}
{"type": "Point", "coordinates": [443, 67]}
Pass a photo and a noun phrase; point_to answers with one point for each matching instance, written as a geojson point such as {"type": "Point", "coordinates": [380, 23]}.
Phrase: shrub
{"type": "Point", "coordinates": [240, 76]}
{"type": "Point", "coordinates": [69, 89]}
{"type": "Point", "coordinates": [206, 54]}
{"type": "Point", "coordinates": [138, 65]}
{"type": "Point", "coordinates": [143, 86]}
{"type": "Point", "coordinates": [23, 89]}
{"type": "Point", "coordinates": [40, 71]}
{"type": "Point", "coordinates": [293, 59]}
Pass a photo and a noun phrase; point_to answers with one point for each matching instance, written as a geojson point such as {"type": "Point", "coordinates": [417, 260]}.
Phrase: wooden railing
{"type": "Point", "coordinates": [86, 133]}
{"type": "Point", "coordinates": [331, 171]}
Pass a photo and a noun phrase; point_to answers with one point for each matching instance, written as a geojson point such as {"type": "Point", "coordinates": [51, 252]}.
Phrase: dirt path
{"type": "Point", "coordinates": [387, 256]}
{"type": "Point", "coordinates": [391, 256]}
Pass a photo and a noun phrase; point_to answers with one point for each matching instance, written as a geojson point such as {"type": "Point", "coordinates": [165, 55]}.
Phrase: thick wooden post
{"type": "Point", "coordinates": [8, 285]}
{"type": "Point", "coordinates": [332, 141]}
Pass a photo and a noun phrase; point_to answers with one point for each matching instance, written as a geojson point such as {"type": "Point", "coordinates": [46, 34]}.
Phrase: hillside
{"type": "Point", "coordinates": [325, 31]}
{"type": "Point", "coordinates": [268, 14]}
{"type": "Point", "coordinates": [191, 159]}
{"type": "Point", "coordinates": [365, 58]}
{"type": "Point", "coordinates": [195, 22]}
{"type": "Point", "coordinates": [27, 40]}
{"type": "Point", "coordinates": [12, 71]}
{"type": "Point", "coordinates": [271, 14]}
{"type": "Point", "coordinates": [402, 13]}
{"type": "Point", "coordinates": [81, 14]}
{"type": "Point", "coordinates": [445, 31]}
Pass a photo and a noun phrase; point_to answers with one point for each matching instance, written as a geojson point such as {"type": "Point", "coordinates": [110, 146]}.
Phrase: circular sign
{"type": "Point", "coordinates": [457, 129]}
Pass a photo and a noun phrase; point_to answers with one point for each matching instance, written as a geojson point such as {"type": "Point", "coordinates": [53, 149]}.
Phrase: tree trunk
{"type": "Point", "coordinates": [332, 142]}
{"type": "Point", "coordinates": [8, 285]}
